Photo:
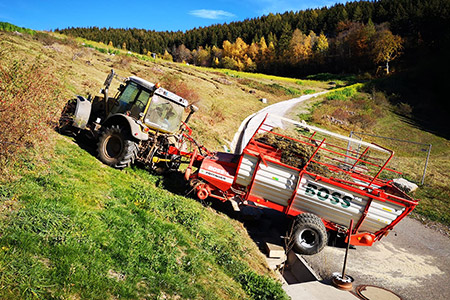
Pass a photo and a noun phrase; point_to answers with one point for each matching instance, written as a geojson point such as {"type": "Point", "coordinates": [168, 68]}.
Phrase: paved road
{"type": "Point", "coordinates": [412, 261]}
{"type": "Point", "coordinates": [251, 123]}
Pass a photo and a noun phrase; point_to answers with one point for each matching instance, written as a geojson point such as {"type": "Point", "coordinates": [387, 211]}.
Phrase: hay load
{"type": "Point", "coordinates": [297, 154]}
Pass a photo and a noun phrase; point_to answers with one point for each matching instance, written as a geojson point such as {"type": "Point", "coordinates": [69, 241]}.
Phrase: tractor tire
{"type": "Point", "coordinates": [65, 123]}
{"type": "Point", "coordinates": [310, 234]}
{"type": "Point", "coordinates": [116, 148]}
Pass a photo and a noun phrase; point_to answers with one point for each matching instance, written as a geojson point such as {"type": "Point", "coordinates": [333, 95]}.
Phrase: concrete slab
{"type": "Point", "coordinates": [315, 290]}
{"type": "Point", "coordinates": [274, 251]}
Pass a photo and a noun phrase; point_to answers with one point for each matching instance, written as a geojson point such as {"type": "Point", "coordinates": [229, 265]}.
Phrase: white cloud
{"type": "Point", "coordinates": [211, 14]}
{"type": "Point", "coordinates": [280, 6]}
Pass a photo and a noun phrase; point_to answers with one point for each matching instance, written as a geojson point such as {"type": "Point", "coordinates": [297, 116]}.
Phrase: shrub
{"type": "Point", "coordinates": [309, 91]}
{"type": "Point", "coordinates": [30, 98]}
{"type": "Point", "coordinates": [364, 121]}
{"type": "Point", "coordinates": [261, 287]}
{"type": "Point", "coordinates": [403, 109]}
{"type": "Point", "coordinates": [380, 98]}
{"type": "Point", "coordinates": [123, 62]}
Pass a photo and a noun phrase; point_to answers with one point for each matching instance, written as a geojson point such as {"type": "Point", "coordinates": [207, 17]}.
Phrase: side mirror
{"type": "Point", "coordinates": [193, 109]}
{"type": "Point", "coordinates": [121, 88]}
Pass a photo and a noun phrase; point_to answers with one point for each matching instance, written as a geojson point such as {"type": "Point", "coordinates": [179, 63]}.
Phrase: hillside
{"type": "Point", "coordinates": [74, 228]}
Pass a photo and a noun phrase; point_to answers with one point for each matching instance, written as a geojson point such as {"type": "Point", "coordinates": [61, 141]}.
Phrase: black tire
{"type": "Point", "coordinates": [116, 148]}
{"type": "Point", "coordinates": [310, 234]}
{"type": "Point", "coordinates": [65, 123]}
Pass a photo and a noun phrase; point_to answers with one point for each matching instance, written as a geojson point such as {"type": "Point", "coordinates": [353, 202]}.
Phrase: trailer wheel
{"type": "Point", "coordinates": [310, 234]}
{"type": "Point", "coordinates": [116, 148]}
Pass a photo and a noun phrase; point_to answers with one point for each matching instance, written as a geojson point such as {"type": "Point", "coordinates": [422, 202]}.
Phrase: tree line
{"type": "Point", "coordinates": [352, 37]}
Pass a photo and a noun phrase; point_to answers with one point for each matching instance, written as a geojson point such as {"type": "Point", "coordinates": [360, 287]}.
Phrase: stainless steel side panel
{"type": "Point", "coordinates": [276, 183]}
{"type": "Point", "coordinates": [339, 206]}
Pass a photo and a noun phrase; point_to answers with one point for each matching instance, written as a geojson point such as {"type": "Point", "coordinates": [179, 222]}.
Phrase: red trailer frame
{"type": "Point", "coordinates": [217, 175]}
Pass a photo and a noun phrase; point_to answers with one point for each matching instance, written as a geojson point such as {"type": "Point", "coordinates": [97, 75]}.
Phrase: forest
{"type": "Point", "coordinates": [356, 37]}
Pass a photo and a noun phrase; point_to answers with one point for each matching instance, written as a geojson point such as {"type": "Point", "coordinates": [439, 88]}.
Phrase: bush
{"type": "Point", "coordinates": [29, 102]}
{"type": "Point", "coordinates": [403, 109]}
{"type": "Point", "coordinates": [364, 121]}
{"type": "Point", "coordinates": [261, 287]}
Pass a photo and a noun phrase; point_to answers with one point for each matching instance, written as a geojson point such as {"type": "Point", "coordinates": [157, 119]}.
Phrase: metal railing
{"type": "Point", "coordinates": [423, 147]}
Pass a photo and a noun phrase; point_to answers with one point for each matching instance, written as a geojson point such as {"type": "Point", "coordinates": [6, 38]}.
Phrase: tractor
{"type": "Point", "coordinates": [141, 123]}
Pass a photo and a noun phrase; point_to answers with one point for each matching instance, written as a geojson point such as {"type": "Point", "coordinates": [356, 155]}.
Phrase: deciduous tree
{"type": "Point", "coordinates": [386, 47]}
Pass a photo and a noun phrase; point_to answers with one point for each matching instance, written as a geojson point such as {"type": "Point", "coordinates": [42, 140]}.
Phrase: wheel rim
{"type": "Point", "coordinates": [113, 146]}
{"type": "Point", "coordinates": [308, 238]}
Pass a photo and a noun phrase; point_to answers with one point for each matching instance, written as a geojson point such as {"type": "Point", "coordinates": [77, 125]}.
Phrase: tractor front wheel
{"type": "Point", "coordinates": [310, 234]}
{"type": "Point", "coordinates": [116, 148]}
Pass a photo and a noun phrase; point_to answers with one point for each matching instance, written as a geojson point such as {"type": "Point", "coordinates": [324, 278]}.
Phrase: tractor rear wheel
{"type": "Point", "coordinates": [310, 234]}
{"type": "Point", "coordinates": [116, 147]}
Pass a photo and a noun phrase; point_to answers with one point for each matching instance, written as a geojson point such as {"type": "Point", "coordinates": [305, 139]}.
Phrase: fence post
{"type": "Point", "coordinates": [426, 164]}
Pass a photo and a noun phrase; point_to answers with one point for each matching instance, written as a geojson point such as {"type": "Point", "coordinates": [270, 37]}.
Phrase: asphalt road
{"type": "Point", "coordinates": [412, 261]}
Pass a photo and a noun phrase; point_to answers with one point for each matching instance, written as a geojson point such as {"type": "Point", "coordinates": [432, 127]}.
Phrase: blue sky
{"type": "Point", "coordinates": [153, 15]}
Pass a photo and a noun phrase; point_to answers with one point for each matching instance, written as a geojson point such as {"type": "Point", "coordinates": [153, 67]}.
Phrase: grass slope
{"type": "Point", "coordinates": [81, 230]}
{"type": "Point", "coordinates": [72, 228]}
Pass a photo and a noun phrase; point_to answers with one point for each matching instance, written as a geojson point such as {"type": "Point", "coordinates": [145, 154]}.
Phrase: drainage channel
{"type": "Point", "coordinates": [300, 281]}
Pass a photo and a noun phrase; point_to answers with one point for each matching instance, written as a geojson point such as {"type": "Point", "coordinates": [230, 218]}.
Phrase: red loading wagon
{"type": "Point", "coordinates": [341, 179]}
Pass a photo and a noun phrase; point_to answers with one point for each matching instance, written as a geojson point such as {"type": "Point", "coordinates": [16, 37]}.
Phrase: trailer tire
{"type": "Point", "coordinates": [116, 147]}
{"type": "Point", "coordinates": [310, 234]}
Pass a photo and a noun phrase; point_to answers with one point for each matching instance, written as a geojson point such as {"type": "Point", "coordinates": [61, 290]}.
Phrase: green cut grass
{"type": "Point", "coordinates": [82, 230]}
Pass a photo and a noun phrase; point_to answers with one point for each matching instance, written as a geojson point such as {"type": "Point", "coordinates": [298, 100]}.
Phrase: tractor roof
{"type": "Point", "coordinates": [160, 91]}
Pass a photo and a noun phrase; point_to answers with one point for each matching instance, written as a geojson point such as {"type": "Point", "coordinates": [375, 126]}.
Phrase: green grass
{"type": "Point", "coordinates": [344, 93]}
{"type": "Point", "coordinates": [242, 74]}
{"type": "Point", "coordinates": [13, 28]}
{"type": "Point", "coordinates": [81, 230]}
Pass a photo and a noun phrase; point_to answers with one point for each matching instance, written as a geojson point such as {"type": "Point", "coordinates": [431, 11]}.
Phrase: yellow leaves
{"type": "Point", "coordinates": [167, 56]}
{"type": "Point", "coordinates": [322, 43]}
{"type": "Point", "coordinates": [300, 46]}
{"type": "Point", "coordinates": [236, 55]}
{"type": "Point", "coordinates": [387, 46]}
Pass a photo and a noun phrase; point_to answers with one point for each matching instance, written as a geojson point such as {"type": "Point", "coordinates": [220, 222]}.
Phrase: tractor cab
{"type": "Point", "coordinates": [155, 107]}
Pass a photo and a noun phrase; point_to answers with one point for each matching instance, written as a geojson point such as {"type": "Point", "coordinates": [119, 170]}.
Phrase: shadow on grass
{"type": "Point", "coordinates": [424, 88]}
{"type": "Point", "coordinates": [262, 224]}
